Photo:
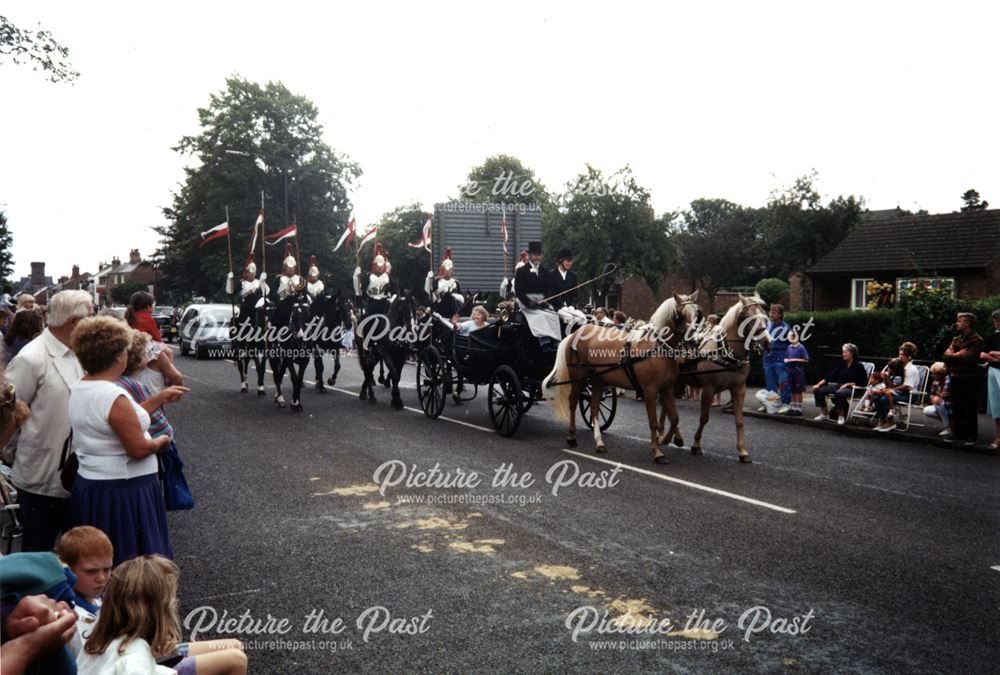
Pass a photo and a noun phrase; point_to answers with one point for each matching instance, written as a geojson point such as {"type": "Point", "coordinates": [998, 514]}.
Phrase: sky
{"type": "Point", "coordinates": [895, 102]}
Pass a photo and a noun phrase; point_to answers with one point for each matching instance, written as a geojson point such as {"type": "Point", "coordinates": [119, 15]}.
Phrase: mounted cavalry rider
{"type": "Point", "coordinates": [314, 285]}
{"type": "Point", "coordinates": [562, 283]}
{"type": "Point", "coordinates": [250, 286]}
{"type": "Point", "coordinates": [443, 289]}
{"type": "Point", "coordinates": [290, 280]}
{"type": "Point", "coordinates": [377, 286]}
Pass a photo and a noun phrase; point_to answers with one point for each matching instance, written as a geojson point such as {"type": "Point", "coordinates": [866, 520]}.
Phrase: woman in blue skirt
{"type": "Point", "coordinates": [116, 488]}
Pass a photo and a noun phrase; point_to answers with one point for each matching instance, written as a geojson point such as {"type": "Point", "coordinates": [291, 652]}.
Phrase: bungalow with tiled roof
{"type": "Point", "coordinates": [960, 251]}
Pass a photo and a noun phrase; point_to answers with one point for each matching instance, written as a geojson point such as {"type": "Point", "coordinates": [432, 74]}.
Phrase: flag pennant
{"type": "Point", "coordinates": [289, 231]}
{"type": "Point", "coordinates": [503, 230]}
{"type": "Point", "coordinates": [369, 234]}
{"type": "Point", "coordinates": [214, 233]}
{"type": "Point", "coordinates": [256, 229]}
{"type": "Point", "coordinates": [425, 238]}
{"type": "Point", "coordinates": [347, 236]}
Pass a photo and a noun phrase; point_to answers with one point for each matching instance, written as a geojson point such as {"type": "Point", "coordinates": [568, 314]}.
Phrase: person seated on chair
{"type": "Point", "coordinates": [940, 406]}
{"type": "Point", "coordinates": [847, 374]}
{"type": "Point", "coordinates": [885, 401]}
{"type": "Point", "coordinates": [478, 321]}
{"type": "Point", "coordinates": [876, 386]}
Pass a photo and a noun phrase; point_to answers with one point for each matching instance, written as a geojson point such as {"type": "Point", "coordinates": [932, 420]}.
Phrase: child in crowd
{"type": "Point", "coordinates": [89, 555]}
{"type": "Point", "coordinates": [796, 359]}
{"type": "Point", "coordinates": [940, 405]}
{"type": "Point", "coordinates": [139, 623]}
{"type": "Point", "coordinates": [876, 385]}
{"type": "Point", "coordinates": [162, 369]}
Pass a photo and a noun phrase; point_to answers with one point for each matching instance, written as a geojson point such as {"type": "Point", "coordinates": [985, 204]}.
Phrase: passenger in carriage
{"type": "Point", "coordinates": [530, 280]}
{"type": "Point", "coordinates": [479, 320]}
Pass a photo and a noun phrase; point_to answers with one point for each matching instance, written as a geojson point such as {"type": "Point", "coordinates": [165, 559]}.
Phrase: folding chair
{"type": "Point", "coordinates": [916, 399]}
{"type": "Point", "coordinates": [859, 394]}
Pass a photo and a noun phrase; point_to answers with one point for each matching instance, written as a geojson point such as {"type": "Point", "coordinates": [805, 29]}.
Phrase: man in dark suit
{"type": "Point", "coordinates": [561, 280]}
{"type": "Point", "coordinates": [530, 281]}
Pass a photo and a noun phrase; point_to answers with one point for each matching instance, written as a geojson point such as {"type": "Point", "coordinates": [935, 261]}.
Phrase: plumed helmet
{"type": "Point", "coordinates": [250, 266]}
{"type": "Point", "coordinates": [523, 260]}
{"type": "Point", "coordinates": [447, 264]}
{"type": "Point", "coordinates": [289, 263]}
{"type": "Point", "coordinates": [378, 259]}
{"type": "Point", "coordinates": [313, 266]}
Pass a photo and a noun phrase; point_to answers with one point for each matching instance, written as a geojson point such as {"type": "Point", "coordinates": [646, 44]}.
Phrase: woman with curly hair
{"type": "Point", "coordinates": [116, 488]}
{"type": "Point", "coordinates": [24, 327]}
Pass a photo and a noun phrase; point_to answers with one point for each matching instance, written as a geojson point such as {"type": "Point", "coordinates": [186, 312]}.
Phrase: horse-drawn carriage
{"type": "Point", "coordinates": [503, 356]}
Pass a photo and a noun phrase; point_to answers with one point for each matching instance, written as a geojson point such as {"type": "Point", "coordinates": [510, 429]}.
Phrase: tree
{"type": "Point", "coordinates": [972, 201]}
{"type": "Point", "coordinates": [503, 179]}
{"type": "Point", "coordinates": [37, 47]}
{"type": "Point", "coordinates": [717, 239]}
{"type": "Point", "coordinates": [796, 230]}
{"type": "Point", "coordinates": [6, 241]}
{"type": "Point", "coordinates": [256, 139]}
{"type": "Point", "coordinates": [121, 293]}
{"type": "Point", "coordinates": [610, 220]}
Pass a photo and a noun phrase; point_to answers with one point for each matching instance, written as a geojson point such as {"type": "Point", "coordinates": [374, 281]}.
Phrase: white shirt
{"type": "Point", "coordinates": [911, 377]}
{"type": "Point", "coordinates": [97, 446]}
{"type": "Point", "coordinates": [42, 374]}
{"type": "Point", "coordinates": [137, 659]}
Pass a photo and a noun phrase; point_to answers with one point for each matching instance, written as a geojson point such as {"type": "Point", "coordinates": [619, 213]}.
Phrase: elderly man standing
{"type": "Point", "coordinates": [42, 374]}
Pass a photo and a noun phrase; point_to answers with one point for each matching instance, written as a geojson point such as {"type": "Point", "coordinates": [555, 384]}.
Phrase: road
{"type": "Point", "coordinates": [827, 554]}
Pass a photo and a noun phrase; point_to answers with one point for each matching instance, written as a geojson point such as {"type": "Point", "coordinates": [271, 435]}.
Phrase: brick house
{"type": "Point", "coordinates": [76, 281]}
{"type": "Point", "coordinates": [960, 251]}
{"type": "Point", "coordinates": [135, 270]}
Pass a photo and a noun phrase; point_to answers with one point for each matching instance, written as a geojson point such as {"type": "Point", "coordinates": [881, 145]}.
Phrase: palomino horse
{"type": "Point", "coordinates": [723, 365]}
{"type": "Point", "coordinates": [608, 356]}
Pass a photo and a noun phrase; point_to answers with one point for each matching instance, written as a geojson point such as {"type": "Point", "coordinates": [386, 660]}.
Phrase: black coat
{"type": "Point", "coordinates": [525, 282]}
{"type": "Point", "coordinates": [556, 284]}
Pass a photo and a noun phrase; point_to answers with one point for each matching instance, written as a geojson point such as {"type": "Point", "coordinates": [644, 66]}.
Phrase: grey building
{"type": "Point", "coordinates": [472, 231]}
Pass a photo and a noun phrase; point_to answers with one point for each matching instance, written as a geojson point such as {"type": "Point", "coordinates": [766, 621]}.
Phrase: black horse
{"type": "Point", "coordinates": [331, 318]}
{"type": "Point", "coordinates": [290, 350]}
{"type": "Point", "coordinates": [247, 333]}
{"type": "Point", "coordinates": [386, 334]}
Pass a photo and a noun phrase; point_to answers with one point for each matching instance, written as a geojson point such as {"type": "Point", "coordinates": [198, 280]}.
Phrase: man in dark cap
{"type": "Point", "coordinates": [530, 281]}
{"type": "Point", "coordinates": [562, 280]}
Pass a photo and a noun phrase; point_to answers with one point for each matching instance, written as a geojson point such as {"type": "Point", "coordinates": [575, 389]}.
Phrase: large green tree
{"type": "Point", "coordinates": [37, 47]}
{"type": "Point", "coordinates": [717, 239]}
{"type": "Point", "coordinates": [609, 219]}
{"type": "Point", "coordinates": [503, 179]}
{"type": "Point", "coordinates": [256, 142]}
{"type": "Point", "coordinates": [6, 242]}
{"type": "Point", "coordinates": [796, 229]}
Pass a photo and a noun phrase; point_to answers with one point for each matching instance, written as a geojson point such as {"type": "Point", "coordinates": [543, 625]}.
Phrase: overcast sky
{"type": "Point", "coordinates": [895, 102]}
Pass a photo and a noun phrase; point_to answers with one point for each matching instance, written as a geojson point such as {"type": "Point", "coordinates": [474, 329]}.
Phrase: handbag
{"type": "Point", "coordinates": [68, 464]}
{"type": "Point", "coordinates": [176, 493]}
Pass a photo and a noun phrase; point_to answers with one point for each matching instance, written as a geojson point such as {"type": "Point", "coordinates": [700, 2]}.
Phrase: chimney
{"type": "Point", "coordinates": [76, 272]}
{"type": "Point", "coordinates": [134, 257]}
{"type": "Point", "coordinates": [38, 270]}
{"type": "Point", "coordinates": [115, 262]}
{"type": "Point", "coordinates": [63, 279]}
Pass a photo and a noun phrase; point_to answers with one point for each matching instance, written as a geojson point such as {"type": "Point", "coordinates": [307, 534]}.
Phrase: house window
{"type": "Point", "coordinates": [943, 284]}
{"type": "Point", "coordinates": [859, 293]}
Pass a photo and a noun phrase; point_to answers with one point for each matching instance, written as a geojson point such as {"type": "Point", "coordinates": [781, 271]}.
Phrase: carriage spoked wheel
{"type": "Point", "coordinates": [609, 406]}
{"type": "Point", "coordinates": [431, 377]}
{"type": "Point", "coordinates": [506, 400]}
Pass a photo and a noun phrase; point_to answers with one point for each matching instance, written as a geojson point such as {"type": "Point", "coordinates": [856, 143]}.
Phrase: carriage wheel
{"type": "Point", "coordinates": [506, 401]}
{"type": "Point", "coordinates": [609, 406]}
{"type": "Point", "coordinates": [431, 378]}
{"type": "Point", "coordinates": [528, 398]}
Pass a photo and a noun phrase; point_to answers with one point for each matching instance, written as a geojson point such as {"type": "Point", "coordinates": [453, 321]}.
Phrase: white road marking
{"type": "Point", "coordinates": [996, 567]}
{"type": "Point", "coordinates": [686, 483]}
{"type": "Point", "coordinates": [226, 595]}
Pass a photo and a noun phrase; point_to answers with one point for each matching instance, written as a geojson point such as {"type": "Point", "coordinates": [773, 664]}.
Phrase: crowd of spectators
{"type": "Point", "coordinates": [83, 426]}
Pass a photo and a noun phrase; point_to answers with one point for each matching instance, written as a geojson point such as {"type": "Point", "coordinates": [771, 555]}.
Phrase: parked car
{"type": "Point", "coordinates": [204, 330]}
{"type": "Point", "coordinates": [164, 316]}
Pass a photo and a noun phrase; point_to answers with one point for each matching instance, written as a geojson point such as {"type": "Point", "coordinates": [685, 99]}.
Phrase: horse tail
{"type": "Point", "coordinates": [558, 394]}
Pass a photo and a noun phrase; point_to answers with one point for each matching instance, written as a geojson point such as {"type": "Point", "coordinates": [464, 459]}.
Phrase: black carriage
{"type": "Point", "coordinates": [504, 357]}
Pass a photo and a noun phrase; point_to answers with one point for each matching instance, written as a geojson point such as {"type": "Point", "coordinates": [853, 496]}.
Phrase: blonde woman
{"type": "Point", "coordinates": [138, 623]}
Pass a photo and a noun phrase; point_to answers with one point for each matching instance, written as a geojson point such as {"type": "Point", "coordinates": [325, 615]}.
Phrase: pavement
{"type": "Point", "coordinates": [829, 553]}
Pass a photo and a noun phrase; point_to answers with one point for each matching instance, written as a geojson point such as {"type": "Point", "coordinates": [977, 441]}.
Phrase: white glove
{"type": "Point", "coordinates": [230, 287]}
{"type": "Point", "coordinates": [263, 277]}
{"type": "Point", "coordinates": [229, 276]}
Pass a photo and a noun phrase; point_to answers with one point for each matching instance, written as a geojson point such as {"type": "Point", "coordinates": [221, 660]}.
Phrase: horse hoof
{"type": "Point", "coordinates": [331, 380]}
{"type": "Point", "coordinates": [243, 388]}
{"type": "Point", "coordinates": [296, 407]}
{"type": "Point", "coordinates": [371, 399]}
{"type": "Point", "coordinates": [600, 450]}
{"type": "Point", "coordinates": [745, 459]}
{"type": "Point", "coordinates": [661, 459]}
{"type": "Point", "coordinates": [320, 388]}
{"type": "Point", "coordinates": [679, 442]}
{"type": "Point", "coordinates": [260, 391]}
{"type": "Point", "coordinates": [571, 442]}
{"type": "Point", "coordinates": [398, 405]}
{"type": "Point", "coordinates": [456, 399]}
{"type": "Point", "coordinates": [696, 450]}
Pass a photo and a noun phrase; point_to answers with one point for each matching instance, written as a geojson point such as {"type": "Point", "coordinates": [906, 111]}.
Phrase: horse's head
{"type": "Point", "coordinates": [686, 312]}
{"type": "Point", "coordinates": [752, 321]}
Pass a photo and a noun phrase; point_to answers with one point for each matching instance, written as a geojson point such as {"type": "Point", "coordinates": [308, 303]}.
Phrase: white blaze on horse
{"type": "Point", "coordinates": [723, 364]}
{"type": "Point", "coordinates": [640, 359]}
